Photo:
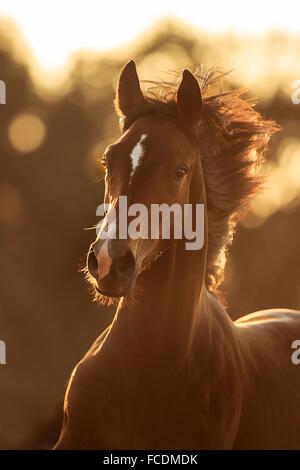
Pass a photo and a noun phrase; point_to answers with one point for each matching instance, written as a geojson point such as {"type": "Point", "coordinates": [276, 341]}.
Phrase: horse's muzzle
{"type": "Point", "coordinates": [112, 264]}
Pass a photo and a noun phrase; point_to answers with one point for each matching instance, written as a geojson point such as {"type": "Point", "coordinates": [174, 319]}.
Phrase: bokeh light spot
{"type": "Point", "coordinates": [26, 132]}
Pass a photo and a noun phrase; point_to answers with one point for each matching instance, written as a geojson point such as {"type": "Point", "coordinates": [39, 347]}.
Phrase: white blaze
{"type": "Point", "coordinates": [136, 155]}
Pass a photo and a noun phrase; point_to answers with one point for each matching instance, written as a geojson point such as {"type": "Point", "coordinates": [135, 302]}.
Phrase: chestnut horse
{"type": "Point", "coordinates": [173, 371]}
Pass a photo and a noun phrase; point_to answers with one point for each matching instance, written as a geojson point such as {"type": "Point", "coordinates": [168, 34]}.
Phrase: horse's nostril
{"type": "Point", "coordinates": [92, 263]}
{"type": "Point", "coordinates": [125, 265]}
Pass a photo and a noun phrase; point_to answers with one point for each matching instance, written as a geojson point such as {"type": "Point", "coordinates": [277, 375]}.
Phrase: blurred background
{"type": "Point", "coordinates": [60, 62]}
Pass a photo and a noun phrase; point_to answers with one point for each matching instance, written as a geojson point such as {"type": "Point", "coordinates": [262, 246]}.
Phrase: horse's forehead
{"type": "Point", "coordinates": [155, 136]}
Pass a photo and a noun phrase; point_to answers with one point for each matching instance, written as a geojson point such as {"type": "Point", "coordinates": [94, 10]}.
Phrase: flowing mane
{"type": "Point", "coordinates": [232, 138]}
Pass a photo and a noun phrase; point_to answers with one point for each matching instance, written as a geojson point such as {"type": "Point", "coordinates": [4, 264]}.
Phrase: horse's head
{"type": "Point", "coordinates": [155, 161]}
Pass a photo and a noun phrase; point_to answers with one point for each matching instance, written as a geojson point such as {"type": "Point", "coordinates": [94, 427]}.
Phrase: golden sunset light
{"type": "Point", "coordinates": [174, 324]}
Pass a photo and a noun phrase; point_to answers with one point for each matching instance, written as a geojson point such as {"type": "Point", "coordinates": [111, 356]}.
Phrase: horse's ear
{"type": "Point", "coordinates": [189, 99]}
{"type": "Point", "coordinates": [129, 96]}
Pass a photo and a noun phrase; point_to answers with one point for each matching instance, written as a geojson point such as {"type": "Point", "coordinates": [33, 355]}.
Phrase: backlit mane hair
{"type": "Point", "coordinates": [232, 138]}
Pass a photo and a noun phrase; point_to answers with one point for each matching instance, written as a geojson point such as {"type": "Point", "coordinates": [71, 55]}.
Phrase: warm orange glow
{"type": "Point", "coordinates": [283, 183]}
{"type": "Point", "coordinates": [60, 63]}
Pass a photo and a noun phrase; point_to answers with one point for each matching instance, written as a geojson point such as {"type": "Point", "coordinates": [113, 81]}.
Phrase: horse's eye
{"type": "Point", "coordinates": [181, 171]}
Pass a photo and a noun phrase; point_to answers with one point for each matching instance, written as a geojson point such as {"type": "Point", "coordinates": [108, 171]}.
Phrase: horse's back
{"type": "Point", "coordinates": [271, 403]}
{"type": "Point", "coordinates": [272, 314]}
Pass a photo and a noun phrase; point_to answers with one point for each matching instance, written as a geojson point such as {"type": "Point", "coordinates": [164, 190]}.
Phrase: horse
{"type": "Point", "coordinates": [173, 371]}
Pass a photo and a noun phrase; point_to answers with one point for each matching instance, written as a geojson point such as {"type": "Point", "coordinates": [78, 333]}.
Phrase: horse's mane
{"type": "Point", "coordinates": [232, 139]}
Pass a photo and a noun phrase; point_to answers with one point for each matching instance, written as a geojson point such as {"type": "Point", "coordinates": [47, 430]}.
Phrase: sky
{"type": "Point", "coordinates": [55, 29]}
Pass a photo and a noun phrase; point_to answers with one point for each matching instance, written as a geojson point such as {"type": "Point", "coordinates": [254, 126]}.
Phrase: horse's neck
{"type": "Point", "coordinates": [174, 318]}
{"type": "Point", "coordinates": [172, 310]}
